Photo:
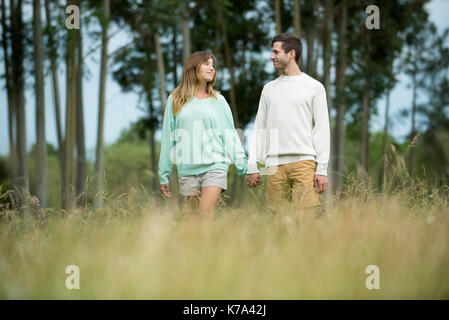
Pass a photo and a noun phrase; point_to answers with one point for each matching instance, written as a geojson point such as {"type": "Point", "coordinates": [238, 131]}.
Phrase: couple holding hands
{"type": "Point", "coordinates": [291, 134]}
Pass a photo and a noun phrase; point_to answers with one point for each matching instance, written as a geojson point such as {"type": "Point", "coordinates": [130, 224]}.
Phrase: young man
{"type": "Point", "coordinates": [291, 131]}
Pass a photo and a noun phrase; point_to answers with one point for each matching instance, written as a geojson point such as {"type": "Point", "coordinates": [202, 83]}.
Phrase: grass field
{"type": "Point", "coordinates": [135, 248]}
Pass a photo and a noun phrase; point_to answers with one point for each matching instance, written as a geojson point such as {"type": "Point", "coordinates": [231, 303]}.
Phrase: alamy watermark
{"type": "Point", "coordinates": [73, 20]}
{"type": "Point", "coordinates": [373, 20]}
{"type": "Point", "coordinates": [373, 280]}
{"type": "Point", "coordinates": [73, 280]}
{"type": "Point", "coordinates": [219, 145]}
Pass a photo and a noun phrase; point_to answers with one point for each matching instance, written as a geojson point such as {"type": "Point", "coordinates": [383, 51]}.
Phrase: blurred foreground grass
{"type": "Point", "coordinates": [136, 248]}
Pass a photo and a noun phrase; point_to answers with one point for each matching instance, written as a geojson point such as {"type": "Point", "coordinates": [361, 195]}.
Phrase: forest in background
{"type": "Point", "coordinates": [357, 66]}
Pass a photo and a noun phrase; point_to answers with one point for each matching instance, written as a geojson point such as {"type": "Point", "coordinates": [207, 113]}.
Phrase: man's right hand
{"type": "Point", "coordinates": [165, 189]}
{"type": "Point", "coordinates": [254, 180]}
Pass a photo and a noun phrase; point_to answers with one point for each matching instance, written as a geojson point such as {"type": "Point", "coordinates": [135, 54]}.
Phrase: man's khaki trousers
{"type": "Point", "coordinates": [292, 182]}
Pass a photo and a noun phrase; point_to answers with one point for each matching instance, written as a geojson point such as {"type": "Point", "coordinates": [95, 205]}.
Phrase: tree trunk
{"type": "Point", "coordinates": [10, 95]}
{"type": "Point", "coordinates": [327, 50]}
{"type": "Point", "coordinates": [70, 122]}
{"type": "Point", "coordinates": [297, 17]}
{"type": "Point", "coordinates": [186, 43]}
{"type": "Point", "coordinates": [173, 178]}
{"type": "Point", "coordinates": [81, 167]}
{"type": "Point", "coordinates": [99, 162]}
{"type": "Point", "coordinates": [383, 169]}
{"type": "Point", "coordinates": [340, 102]}
{"type": "Point", "coordinates": [18, 86]}
{"type": "Point", "coordinates": [364, 149]}
{"type": "Point", "coordinates": [217, 44]}
{"type": "Point", "coordinates": [413, 131]}
{"type": "Point", "coordinates": [327, 53]}
{"type": "Point", "coordinates": [277, 10]}
{"type": "Point", "coordinates": [175, 58]}
{"type": "Point", "coordinates": [55, 88]}
{"type": "Point", "coordinates": [228, 65]}
{"type": "Point", "coordinates": [56, 98]}
{"type": "Point", "coordinates": [310, 39]}
{"type": "Point", "coordinates": [366, 101]}
{"type": "Point", "coordinates": [161, 70]}
{"type": "Point", "coordinates": [41, 144]}
{"type": "Point", "coordinates": [153, 160]}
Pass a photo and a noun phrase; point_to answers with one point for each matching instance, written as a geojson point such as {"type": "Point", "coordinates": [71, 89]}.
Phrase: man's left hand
{"type": "Point", "coordinates": [320, 183]}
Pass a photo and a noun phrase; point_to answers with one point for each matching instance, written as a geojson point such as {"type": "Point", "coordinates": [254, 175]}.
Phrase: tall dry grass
{"type": "Point", "coordinates": [136, 247]}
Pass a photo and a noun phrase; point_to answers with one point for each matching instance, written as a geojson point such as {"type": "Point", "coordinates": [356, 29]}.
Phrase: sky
{"type": "Point", "coordinates": [122, 108]}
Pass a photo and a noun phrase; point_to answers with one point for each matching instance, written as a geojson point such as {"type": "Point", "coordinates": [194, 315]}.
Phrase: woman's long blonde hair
{"type": "Point", "coordinates": [190, 80]}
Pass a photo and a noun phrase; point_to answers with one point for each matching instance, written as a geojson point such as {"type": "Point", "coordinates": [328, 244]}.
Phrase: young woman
{"type": "Point", "coordinates": [198, 135]}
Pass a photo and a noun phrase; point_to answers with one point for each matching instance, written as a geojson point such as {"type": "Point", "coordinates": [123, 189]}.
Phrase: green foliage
{"type": "Point", "coordinates": [126, 167]}
{"type": "Point", "coordinates": [372, 57]}
{"type": "Point", "coordinates": [427, 60]}
{"type": "Point", "coordinates": [433, 155]}
{"type": "Point", "coordinates": [4, 179]}
{"type": "Point", "coordinates": [352, 153]}
{"type": "Point", "coordinates": [53, 175]}
{"type": "Point", "coordinates": [137, 133]}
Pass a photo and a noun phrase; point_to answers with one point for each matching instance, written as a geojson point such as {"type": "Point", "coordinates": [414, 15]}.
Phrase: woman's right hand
{"type": "Point", "coordinates": [165, 189]}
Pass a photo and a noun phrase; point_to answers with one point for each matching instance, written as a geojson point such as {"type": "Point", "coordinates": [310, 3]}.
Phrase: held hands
{"type": "Point", "coordinates": [254, 180]}
{"type": "Point", "coordinates": [165, 189]}
{"type": "Point", "coordinates": [319, 181]}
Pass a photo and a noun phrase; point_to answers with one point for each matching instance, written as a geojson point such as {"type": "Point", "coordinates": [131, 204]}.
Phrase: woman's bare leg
{"type": "Point", "coordinates": [209, 197]}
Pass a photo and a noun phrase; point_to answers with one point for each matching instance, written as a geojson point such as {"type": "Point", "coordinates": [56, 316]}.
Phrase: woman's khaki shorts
{"type": "Point", "coordinates": [190, 186]}
{"type": "Point", "coordinates": [294, 182]}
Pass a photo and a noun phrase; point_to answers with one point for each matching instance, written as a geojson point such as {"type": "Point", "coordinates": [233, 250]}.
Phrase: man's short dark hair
{"type": "Point", "coordinates": [290, 41]}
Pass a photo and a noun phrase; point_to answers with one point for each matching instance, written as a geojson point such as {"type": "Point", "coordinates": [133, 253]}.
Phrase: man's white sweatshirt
{"type": "Point", "coordinates": [292, 124]}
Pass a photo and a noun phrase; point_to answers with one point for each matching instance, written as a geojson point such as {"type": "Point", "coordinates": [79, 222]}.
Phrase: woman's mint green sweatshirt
{"type": "Point", "coordinates": [201, 137]}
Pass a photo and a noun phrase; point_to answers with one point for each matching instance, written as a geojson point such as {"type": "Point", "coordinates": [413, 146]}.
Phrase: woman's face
{"type": "Point", "coordinates": [207, 70]}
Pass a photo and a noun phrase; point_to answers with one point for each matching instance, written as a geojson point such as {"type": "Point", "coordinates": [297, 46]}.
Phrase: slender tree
{"type": "Point", "coordinates": [10, 95]}
{"type": "Point", "coordinates": [186, 42]}
{"type": "Point", "coordinates": [18, 91]}
{"type": "Point", "coordinates": [152, 127]}
{"type": "Point", "coordinates": [229, 66]}
{"type": "Point", "coordinates": [297, 17]}
{"type": "Point", "coordinates": [413, 129]}
{"type": "Point", "coordinates": [161, 70]}
{"type": "Point", "coordinates": [327, 54]}
{"type": "Point", "coordinates": [327, 50]}
{"type": "Point", "coordinates": [175, 56]}
{"type": "Point", "coordinates": [277, 13]}
{"type": "Point", "coordinates": [70, 122]}
{"type": "Point", "coordinates": [383, 170]}
{"type": "Point", "coordinates": [364, 146]}
{"type": "Point", "coordinates": [366, 104]}
{"type": "Point", "coordinates": [55, 83]}
{"type": "Point", "coordinates": [41, 143]}
{"type": "Point", "coordinates": [99, 162]}
{"type": "Point", "coordinates": [340, 100]}
{"type": "Point", "coordinates": [81, 163]}
{"type": "Point", "coordinates": [311, 35]}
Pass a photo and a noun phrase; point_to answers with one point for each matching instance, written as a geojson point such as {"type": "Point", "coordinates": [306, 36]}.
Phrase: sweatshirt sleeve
{"type": "Point", "coordinates": [167, 143]}
{"type": "Point", "coordinates": [321, 131]}
{"type": "Point", "coordinates": [233, 147]}
{"type": "Point", "coordinates": [256, 145]}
